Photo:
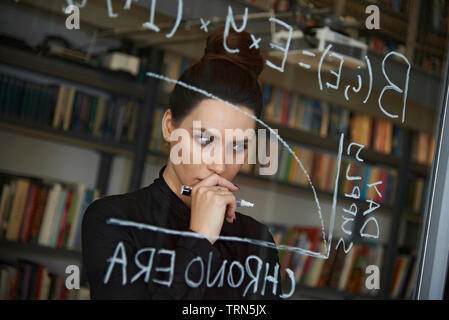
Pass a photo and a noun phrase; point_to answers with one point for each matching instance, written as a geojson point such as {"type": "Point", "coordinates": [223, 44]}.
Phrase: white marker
{"type": "Point", "coordinates": [187, 191]}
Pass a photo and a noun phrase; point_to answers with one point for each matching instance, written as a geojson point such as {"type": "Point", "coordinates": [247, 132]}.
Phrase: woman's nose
{"type": "Point", "coordinates": [218, 164]}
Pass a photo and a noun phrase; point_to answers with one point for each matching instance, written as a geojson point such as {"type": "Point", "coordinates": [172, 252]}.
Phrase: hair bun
{"type": "Point", "coordinates": [248, 59]}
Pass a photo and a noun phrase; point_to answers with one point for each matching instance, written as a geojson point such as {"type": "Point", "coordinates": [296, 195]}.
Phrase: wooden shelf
{"type": "Point", "coordinates": [429, 50]}
{"type": "Point", "coordinates": [413, 217]}
{"type": "Point", "coordinates": [331, 144]}
{"type": "Point", "coordinates": [327, 293]}
{"type": "Point", "coordinates": [421, 170]}
{"type": "Point", "coordinates": [103, 79]}
{"type": "Point", "coordinates": [83, 140]}
{"type": "Point", "coordinates": [31, 248]}
{"type": "Point", "coordinates": [294, 189]}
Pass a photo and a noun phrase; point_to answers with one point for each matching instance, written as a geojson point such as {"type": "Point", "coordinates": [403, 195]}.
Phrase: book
{"type": "Point", "coordinates": [5, 201]}
{"type": "Point", "coordinates": [61, 229]}
{"type": "Point", "coordinates": [38, 215]}
{"type": "Point", "coordinates": [313, 237]}
{"type": "Point", "coordinates": [57, 218]}
{"type": "Point", "coordinates": [348, 266]}
{"type": "Point", "coordinates": [27, 280]}
{"type": "Point", "coordinates": [313, 276]}
{"type": "Point", "coordinates": [60, 104]}
{"type": "Point", "coordinates": [357, 277]}
{"type": "Point", "coordinates": [361, 126]}
{"type": "Point", "coordinates": [337, 268]}
{"type": "Point", "coordinates": [28, 214]}
{"type": "Point", "coordinates": [68, 108]}
{"type": "Point", "coordinates": [400, 272]}
{"type": "Point", "coordinates": [49, 214]}
{"type": "Point", "coordinates": [75, 214]}
{"type": "Point", "coordinates": [99, 117]}
{"type": "Point", "coordinates": [17, 209]}
{"type": "Point", "coordinates": [300, 262]}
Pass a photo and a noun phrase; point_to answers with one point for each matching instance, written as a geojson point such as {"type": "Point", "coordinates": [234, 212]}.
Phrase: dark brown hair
{"type": "Point", "coordinates": [232, 77]}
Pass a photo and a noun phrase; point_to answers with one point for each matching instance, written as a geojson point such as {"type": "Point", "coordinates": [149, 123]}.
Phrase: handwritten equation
{"type": "Point", "coordinates": [284, 50]}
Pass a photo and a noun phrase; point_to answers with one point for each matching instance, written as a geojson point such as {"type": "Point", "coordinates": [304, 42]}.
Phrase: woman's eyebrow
{"type": "Point", "coordinates": [205, 129]}
{"type": "Point", "coordinates": [202, 129]}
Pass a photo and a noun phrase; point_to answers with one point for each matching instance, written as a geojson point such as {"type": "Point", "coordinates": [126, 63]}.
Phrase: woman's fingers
{"type": "Point", "coordinates": [216, 180]}
{"type": "Point", "coordinates": [230, 202]}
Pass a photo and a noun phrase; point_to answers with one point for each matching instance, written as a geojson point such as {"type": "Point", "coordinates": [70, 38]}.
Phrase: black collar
{"type": "Point", "coordinates": [175, 203]}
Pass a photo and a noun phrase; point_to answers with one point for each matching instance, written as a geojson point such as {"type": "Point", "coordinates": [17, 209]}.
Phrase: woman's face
{"type": "Point", "coordinates": [217, 142]}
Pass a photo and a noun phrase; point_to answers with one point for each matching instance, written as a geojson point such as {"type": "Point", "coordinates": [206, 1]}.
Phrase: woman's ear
{"type": "Point", "coordinates": [167, 125]}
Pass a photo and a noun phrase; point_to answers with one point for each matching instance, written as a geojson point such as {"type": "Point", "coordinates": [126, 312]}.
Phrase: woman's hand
{"type": "Point", "coordinates": [212, 199]}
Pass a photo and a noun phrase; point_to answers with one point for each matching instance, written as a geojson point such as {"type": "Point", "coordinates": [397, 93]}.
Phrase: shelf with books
{"type": "Point", "coordinates": [27, 280]}
{"type": "Point", "coordinates": [431, 50]}
{"type": "Point", "coordinates": [321, 168]}
{"type": "Point", "coordinates": [316, 124]}
{"type": "Point", "coordinates": [422, 152]}
{"type": "Point", "coordinates": [66, 113]}
{"type": "Point", "coordinates": [42, 212]}
{"type": "Point", "coordinates": [340, 275]}
{"type": "Point", "coordinates": [117, 82]}
{"type": "Point", "coordinates": [57, 135]}
{"type": "Point", "coordinates": [417, 192]}
{"type": "Point", "coordinates": [286, 187]}
{"type": "Point", "coordinates": [330, 144]}
{"type": "Point", "coordinates": [427, 64]}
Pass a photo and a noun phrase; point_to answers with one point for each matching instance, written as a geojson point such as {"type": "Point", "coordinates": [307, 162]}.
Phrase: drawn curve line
{"type": "Point", "coordinates": [262, 243]}
{"type": "Point", "coordinates": [127, 223]}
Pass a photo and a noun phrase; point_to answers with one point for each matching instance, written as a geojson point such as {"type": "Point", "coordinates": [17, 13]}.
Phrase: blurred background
{"type": "Point", "coordinates": [79, 120]}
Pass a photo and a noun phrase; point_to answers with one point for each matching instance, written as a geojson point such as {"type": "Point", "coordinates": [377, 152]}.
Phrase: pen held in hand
{"type": "Point", "coordinates": [187, 191]}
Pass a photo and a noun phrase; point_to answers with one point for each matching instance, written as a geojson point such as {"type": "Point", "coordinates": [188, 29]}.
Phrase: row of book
{"type": "Point", "coordinates": [322, 169]}
{"type": "Point", "coordinates": [382, 45]}
{"type": "Point", "coordinates": [341, 271]}
{"type": "Point", "coordinates": [43, 212]}
{"type": "Point", "coordinates": [377, 134]}
{"type": "Point", "coordinates": [423, 148]}
{"type": "Point", "coordinates": [292, 110]}
{"type": "Point", "coordinates": [69, 109]}
{"type": "Point", "coordinates": [26, 280]}
{"type": "Point", "coordinates": [429, 62]}
{"type": "Point", "coordinates": [363, 174]}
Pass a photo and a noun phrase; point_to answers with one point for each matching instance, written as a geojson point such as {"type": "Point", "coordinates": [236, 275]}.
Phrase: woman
{"type": "Point", "coordinates": [127, 262]}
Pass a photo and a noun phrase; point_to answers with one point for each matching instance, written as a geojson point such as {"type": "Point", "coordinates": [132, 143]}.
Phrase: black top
{"type": "Point", "coordinates": [157, 205]}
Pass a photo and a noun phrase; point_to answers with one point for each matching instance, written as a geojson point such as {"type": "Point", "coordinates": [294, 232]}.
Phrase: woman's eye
{"type": "Point", "coordinates": [240, 147]}
{"type": "Point", "coordinates": [204, 140]}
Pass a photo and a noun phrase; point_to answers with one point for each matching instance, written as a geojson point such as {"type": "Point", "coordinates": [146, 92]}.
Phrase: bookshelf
{"type": "Point", "coordinates": [29, 128]}
{"type": "Point", "coordinates": [117, 82]}
{"type": "Point", "coordinates": [146, 94]}
{"type": "Point", "coordinates": [32, 256]}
